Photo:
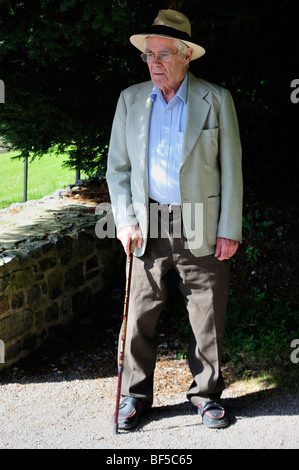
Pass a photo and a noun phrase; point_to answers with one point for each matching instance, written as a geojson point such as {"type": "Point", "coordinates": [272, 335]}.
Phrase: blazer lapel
{"type": "Point", "coordinates": [196, 114]}
{"type": "Point", "coordinates": [141, 115]}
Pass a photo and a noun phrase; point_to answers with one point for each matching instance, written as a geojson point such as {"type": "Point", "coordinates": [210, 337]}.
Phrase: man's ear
{"type": "Point", "coordinates": [188, 54]}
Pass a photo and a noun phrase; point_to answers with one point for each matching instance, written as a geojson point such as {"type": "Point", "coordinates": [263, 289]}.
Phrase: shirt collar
{"type": "Point", "coordinates": [181, 93]}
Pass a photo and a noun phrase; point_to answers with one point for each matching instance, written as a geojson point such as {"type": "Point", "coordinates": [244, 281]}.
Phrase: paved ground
{"type": "Point", "coordinates": [67, 403]}
{"type": "Point", "coordinates": [77, 414]}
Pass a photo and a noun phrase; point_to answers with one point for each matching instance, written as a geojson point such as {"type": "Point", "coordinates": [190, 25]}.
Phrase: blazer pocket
{"type": "Point", "coordinates": [210, 132]}
{"type": "Point", "coordinates": [208, 146]}
{"type": "Point", "coordinates": [213, 212]}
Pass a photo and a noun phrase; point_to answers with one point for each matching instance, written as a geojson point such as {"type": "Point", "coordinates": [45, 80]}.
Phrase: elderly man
{"type": "Point", "coordinates": [175, 147]}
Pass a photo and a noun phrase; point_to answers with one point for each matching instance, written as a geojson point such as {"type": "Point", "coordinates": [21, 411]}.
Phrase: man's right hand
{"type": "Point", "coordinates": [125, 235]}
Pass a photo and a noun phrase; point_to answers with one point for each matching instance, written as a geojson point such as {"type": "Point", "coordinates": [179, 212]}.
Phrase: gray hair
{"type": "Point", "coordinates": [181, 47]}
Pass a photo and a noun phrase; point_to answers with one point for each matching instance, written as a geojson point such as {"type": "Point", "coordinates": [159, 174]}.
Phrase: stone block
{"type": "Point", "coordinates": [4, 282]}
{"type": "Point", "coordinates": [21, 278]}
{"type": "Point", "coordinates": [47, 263]}
{"type": "Point", "coordinates": [13, 351]}
{"type": "Point", "coordinates": [17, 300]}
{"type": "Point", "coordinates": [64, 248]}
{"type": "Point", "coordinates": [52, 313]}
{"type": "Point", "coordinates": [33, 294]}
{"type": "Point", "coordinates": [4, 305]}
{"type": "Point", "coordinates": [92, 263]}
{"type": "Point", "coordinates": [15, 325]}
{"type": "Point", "coordinates": [86, 244]}
{"type": "Point", "coordinates": [55, 284]}
{"type": "Point", "coordinates": [46, 247]}
{"type": "Point", "coordinates": [74, 276]}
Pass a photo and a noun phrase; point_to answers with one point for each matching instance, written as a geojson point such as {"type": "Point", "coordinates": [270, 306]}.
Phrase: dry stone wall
{"type": "Point", "coordinates": [49, 283]}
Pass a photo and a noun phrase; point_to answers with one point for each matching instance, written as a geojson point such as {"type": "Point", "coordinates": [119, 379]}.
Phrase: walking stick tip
{"type": "Point", "coordinates": [115, 428]}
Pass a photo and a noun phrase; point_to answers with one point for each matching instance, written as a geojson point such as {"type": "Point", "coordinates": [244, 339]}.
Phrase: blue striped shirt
{"type": "Point", "coordinates": [165, 144]}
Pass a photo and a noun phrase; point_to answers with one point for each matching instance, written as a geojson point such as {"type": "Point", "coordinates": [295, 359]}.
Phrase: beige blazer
{"type": "Point", "coordinates": [210, 167]}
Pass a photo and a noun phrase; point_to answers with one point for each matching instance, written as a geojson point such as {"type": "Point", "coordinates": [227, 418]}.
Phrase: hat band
{"type": "Point", "coordinates": [168, 31]}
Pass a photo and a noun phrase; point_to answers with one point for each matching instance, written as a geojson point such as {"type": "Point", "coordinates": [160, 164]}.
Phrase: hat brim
{"type": "Point", "coordinates": [138, 41]}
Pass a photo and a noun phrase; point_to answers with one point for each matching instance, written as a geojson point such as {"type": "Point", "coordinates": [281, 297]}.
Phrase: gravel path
{"type": "Point", "coordinates": [67, 403]}
{"type": "Point", "coordinates": [76, 415]}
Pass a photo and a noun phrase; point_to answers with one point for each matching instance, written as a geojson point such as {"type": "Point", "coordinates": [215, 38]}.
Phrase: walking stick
{"type": "Point", "coordinates": [124, 330]}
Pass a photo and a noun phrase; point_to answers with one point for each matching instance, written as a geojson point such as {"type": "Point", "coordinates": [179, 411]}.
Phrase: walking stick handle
{"type": "Point", "coordinates": [133, 242]}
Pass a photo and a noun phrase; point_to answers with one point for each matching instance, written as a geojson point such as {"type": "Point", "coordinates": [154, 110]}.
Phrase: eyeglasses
{"type": "Point", "coordinates": [164, 56]}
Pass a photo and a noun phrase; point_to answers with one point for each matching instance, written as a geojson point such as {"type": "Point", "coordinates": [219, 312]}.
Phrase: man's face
{"type": "Point", "coordinates": [166, 74]}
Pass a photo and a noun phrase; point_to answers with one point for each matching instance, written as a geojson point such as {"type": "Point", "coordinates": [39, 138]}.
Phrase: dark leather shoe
{"type": "Point", "coordinates": [213, 415]}
{"type": "Point", "coordinates": [130, 411]}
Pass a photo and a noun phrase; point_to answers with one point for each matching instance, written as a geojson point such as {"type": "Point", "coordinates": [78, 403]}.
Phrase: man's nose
{"type": "Point", "coordinates": [157, 59]}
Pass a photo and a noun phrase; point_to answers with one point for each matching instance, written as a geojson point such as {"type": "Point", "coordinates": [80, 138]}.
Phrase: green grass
{"type": "Point", "coordinates": [45, 175]}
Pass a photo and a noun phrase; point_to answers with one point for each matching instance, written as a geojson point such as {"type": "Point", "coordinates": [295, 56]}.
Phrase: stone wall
{"type": "Point", "coordinates": [49, 283]}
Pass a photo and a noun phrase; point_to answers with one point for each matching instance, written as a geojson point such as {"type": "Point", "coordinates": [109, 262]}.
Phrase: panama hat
{"type": "Point", "coordinates": [173, 25]}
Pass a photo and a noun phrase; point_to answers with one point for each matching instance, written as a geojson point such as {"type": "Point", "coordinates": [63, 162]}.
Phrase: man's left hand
{"type": "Point", "coordinates": [225, 248]}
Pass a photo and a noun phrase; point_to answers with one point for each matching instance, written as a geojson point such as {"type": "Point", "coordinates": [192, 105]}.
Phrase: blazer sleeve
{"type": "Point", "coordinates": [230, 157]}
{"type": "Point", "coordinates": [119, 169]}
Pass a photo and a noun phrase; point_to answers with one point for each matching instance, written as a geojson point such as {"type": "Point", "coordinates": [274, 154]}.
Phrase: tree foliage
{"type": "Point", "coordinates": [59, 61]}
{"type": "Point", "coordinates": [64, 63]}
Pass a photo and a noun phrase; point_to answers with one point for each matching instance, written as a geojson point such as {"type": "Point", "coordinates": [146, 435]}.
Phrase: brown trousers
{"type": "Point", "coordinates": [204, 283]}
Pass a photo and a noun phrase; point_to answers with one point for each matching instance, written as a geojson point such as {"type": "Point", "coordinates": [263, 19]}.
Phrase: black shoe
{"type": "Point", "coordinates": [130, 411]}
{"type": "Point", "coordinates": [213, 415]}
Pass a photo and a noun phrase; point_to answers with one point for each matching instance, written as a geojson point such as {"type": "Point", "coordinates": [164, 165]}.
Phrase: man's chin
{"type": "Point", "coordinates": [158, 78]}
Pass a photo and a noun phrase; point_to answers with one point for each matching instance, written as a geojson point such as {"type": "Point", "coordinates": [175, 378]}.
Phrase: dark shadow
{"type": "Point", "coordinates": [84, 349]}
